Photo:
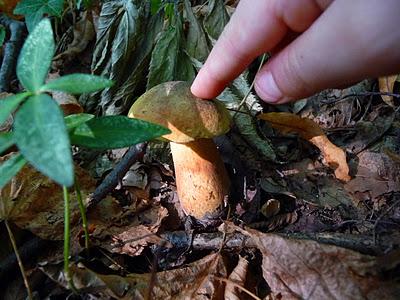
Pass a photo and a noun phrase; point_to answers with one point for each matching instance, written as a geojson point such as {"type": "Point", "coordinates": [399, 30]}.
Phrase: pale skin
{"type": "Point", "coordinates": [316, 44]}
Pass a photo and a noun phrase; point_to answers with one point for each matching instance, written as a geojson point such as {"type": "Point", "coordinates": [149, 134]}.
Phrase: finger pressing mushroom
{"type": "Point", "coordinates": [201, 179]}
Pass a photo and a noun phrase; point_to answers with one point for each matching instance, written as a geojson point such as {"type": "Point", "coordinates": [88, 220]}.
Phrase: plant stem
{"type": "Point", "coordinates": [82, 210]}
{"type": "Point", "coordinates": [67, 273]}
{"type": "Point", "coordinates": [21, 266]}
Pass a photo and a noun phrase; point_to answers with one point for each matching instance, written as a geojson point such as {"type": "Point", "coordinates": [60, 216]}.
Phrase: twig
{"type": "Point", "coordinates": [11, 51]}
{"type": "Point", "coordinates": [21, 266]}
{"type": "Point", "coordinates": [112, 179]}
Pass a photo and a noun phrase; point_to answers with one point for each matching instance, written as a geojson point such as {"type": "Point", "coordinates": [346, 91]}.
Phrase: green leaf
{"type": "Point", "coordinates": [155, 6]}
{"type": "Point", "coordinates": [216, 19]}
{"type": "Point", "coordinates": [2, 35]}
{"type": "Point", "coordinates": [6, 141]}
{"type": "Point", "coordinates": [77, 84]}
{"type": "Point", "coordinates": [41, 136]}
{"type": "Point", "coordinates": [35, 9]}
{"type": "Point", "coordinates": [123, 29]}
{"type": "Point", "coordinates": [196, 41]}
{"type": "Point", "coordinates": [168, 61]}
{"type": "Point", "coordinates": [73, 121]}
{"type": "Point", "coordinates": [10, 168]}
{"type": "Point", "coordinates": [9, 104]}
{"type": "Point", "coordinates": [113, 132]}
{"type": "Point", "coordinates": [35, 57]}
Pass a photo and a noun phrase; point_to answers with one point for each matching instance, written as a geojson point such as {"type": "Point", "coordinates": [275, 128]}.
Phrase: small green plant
{"type": "Point", "coordinates": [33, 10]}
{"type": "Point", "coordinates": [41, 133]}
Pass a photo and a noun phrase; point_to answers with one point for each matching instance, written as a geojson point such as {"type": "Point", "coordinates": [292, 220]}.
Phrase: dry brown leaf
{"type": "Point", "coordinates": [38, 205]}
{"type": "Point", "coordinates": [237, 276]}
{"type": "Point", "coordinates": [194, 281]}
{"type": "Point", "coordinates": [334, 156]}
{"type": "Point", "coordinates": [386, 85]}
{"type": "Point", "coordinates": [125, 230]}
{"type": "Point", "coordinates": [377, 174]}
{"type": "Point", "coordinates": [305, 269]}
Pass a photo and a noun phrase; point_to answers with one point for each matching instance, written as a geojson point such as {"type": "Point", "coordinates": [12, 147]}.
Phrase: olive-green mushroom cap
{"type": "Point", "coordinates": [172, 105]}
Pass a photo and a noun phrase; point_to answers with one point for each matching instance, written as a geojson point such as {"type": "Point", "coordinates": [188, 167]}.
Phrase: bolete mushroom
{"type": "Point", "coordinates": [201, 179]}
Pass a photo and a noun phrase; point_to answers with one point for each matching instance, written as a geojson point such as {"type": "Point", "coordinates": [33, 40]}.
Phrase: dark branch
{"type": "Point", "coordinates": [11, 51]}
{"type": "Point", "coordinates": [116, 175]}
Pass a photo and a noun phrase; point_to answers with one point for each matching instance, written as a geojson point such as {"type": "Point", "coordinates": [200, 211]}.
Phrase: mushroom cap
{"type": "Point", "coordinates": [172, 105]}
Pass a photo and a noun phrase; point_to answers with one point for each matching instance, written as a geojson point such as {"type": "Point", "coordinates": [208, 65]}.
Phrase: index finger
{"type": "Point", "coordinates": [256, 27]}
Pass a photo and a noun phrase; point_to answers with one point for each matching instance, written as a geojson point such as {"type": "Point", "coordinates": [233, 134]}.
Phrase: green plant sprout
{"type": "Point", "coordinates": [41, 133]}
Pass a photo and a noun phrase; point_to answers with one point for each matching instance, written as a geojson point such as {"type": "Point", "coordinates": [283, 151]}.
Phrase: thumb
{"type": "Point", "coordinates": [350, 41]}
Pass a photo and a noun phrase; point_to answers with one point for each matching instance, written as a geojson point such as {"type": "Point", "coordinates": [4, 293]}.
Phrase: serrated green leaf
{"type": "Point", "coordinates": [41, 136]}
{"type": "Point", "coordinates": [216, 19]}
{"type": "Point", "coordinates": [246, 126]}
{"type": "Point", "coordinates": [35, 9]}
{"type": "Point", "coordinates": [2, 34]}
{"type": "Point", "coordinates": [131, 87]}
{"type": "Point", "coordinates": [168, 61]}
{"type": "Point", "coordinates": [196, 41]}
{"type": "Point", "coordinates": [6, 141]}
{"type": "Point", "coordinates": [241, 87]}
{"type": "Point", "coordinates": [10, 168]}
{"type": "Point", "coordinates": [123, 30]}
{"type": "Point", "coordinates": [77, 84]}
{"type": "Point", "coordinates": [113, 132]}
{"type": "Point", "coordinates": [73, 121]}
{"type": "Point", "coordinates": [35, 57]}
{"type": "Point", "coordinates": [9, 104]}
{"type": "Point", "coordinates": [164, 57]}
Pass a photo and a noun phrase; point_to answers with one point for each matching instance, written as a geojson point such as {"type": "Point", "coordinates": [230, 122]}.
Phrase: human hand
{"type": "Point", "coordinates": [339, 42]}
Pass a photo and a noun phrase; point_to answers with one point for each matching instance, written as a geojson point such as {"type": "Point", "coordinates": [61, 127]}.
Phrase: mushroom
{"type": "Point", "coordinates": [201, 179]}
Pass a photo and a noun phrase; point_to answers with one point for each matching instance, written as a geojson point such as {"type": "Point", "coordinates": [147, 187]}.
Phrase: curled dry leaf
{"type": "Point", "coordinates": [386, 85]}
{"type": "Point", "coordinates": [305, 269]}
{"type": "Point", "coordinates": [334, 156]}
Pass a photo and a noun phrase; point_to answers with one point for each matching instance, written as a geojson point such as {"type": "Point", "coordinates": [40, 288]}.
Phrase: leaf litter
{"type": "Point", "coordinates": [316, 202]}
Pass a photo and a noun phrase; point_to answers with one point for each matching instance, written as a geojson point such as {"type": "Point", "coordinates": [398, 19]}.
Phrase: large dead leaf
{"type": "Point", "coordinates": [194, 281]}
{"type": "Point", "coordinates": [305, 269]}
{"type": "Point", "coordinates": [35, 203]}
{"type": "Point", "coordinates": [386, 85]}
{"type": "Point", "coordinates": [334, 156]}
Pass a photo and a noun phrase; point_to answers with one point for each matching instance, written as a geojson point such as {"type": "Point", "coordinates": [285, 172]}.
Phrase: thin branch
{"type": "Point", "coordinates": [11, 51]}
{"type": "Point", "coordinates": [21, 266]}
{"type": "Point", "coordinates": [115, 176]}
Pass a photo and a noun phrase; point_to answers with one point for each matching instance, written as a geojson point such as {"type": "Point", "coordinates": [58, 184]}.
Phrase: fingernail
{"type": "Point", "coordinates": [267, 89]}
